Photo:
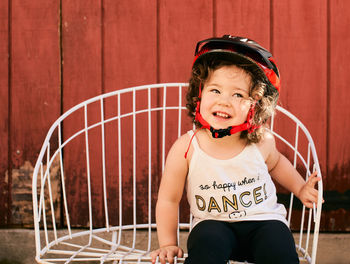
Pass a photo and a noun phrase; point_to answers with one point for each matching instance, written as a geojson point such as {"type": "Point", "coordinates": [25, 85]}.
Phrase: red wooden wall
{"type": "Point", "coordinates": [55, 54]}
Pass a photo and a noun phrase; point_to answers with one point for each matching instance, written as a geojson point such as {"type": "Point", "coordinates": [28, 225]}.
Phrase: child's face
{"type": "Point", "coordinates": [225, 97]}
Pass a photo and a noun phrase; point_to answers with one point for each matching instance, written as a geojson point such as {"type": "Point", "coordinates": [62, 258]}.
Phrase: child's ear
{"type": "Point", "coordinates": [256, 96]}
{"type": "Point", "coordinates": [258, 92]}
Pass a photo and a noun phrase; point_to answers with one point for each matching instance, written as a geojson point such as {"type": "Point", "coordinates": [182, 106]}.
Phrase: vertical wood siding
{"type": "Point", "coordinates": [55, 54]}
{"type": "Point", "coordinates": [4, 112]}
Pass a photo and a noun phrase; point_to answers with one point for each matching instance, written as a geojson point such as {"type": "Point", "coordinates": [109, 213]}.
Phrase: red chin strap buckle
{"type": "Point", "coordinates": [219, 133]}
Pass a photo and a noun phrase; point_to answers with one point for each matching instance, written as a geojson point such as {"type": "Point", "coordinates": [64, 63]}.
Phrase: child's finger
{"type": "Point", "coordinates": [154, 255]}
{"type": "Point", "coordinates": [180, 253]}
{"type": "Point", "coordinates": [313, 179]}
{"type": "Point", "coordinates": [162, 257]}
{"type": "Point", "coordinates": [170, 257]}
{"type": "Point", "coordinates": [313, 175]}
{"type": "Point", "coordinates": [309, 205]}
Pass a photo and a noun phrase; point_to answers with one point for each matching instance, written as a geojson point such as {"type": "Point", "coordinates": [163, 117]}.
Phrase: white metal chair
{"type": "Point", "coordinates": [96, 178]}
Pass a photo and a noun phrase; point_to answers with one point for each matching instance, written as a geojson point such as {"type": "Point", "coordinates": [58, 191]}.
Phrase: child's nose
{"type": "Point", "coordinates": [224, 100]}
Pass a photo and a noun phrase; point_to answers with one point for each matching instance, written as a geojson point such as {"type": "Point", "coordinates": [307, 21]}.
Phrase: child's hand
{"type": "Point", "coordinates": [308, 194]}
{"type": "Point", "coordinates": [168, 252]}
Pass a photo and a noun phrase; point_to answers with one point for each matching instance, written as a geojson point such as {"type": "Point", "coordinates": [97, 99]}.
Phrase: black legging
{"type": "Point", "coordinates": [260, 242]}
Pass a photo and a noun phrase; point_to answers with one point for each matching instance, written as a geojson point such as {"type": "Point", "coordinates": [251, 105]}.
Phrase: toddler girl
{"type": "Point", "coordinates": [227, 163]}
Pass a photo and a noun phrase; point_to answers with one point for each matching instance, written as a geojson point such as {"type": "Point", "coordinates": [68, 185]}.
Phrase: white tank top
{"type": "Point", "coordinates": [236, 189]}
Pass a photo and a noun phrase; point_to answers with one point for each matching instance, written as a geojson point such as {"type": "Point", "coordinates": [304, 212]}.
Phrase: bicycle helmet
{"type": "Point", "coordinates": [247, 50]}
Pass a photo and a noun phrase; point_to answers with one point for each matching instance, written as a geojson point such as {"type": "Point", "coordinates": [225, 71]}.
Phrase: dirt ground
{"type": "Point", "coordinates": [17, 246]}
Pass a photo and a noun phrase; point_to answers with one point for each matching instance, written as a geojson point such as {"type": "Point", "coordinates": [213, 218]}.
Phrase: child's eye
{"type": "Point", "coordinates": [215, 91]}
{"type": "Point", "coordinates": [237, 95]}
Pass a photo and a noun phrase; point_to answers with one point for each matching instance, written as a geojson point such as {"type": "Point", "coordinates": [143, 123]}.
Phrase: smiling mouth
{"type": "Point", "coordinates": [221, 114]}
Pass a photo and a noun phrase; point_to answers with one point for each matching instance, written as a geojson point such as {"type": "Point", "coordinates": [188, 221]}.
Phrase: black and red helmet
{"type": "Point", "coordinates": [238, 49]}
{"type": "Point", "coordinates": [243, 48]}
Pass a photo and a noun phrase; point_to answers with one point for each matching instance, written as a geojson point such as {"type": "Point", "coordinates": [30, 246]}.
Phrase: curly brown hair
{"type": "Point", "coordinates": [261, 90]}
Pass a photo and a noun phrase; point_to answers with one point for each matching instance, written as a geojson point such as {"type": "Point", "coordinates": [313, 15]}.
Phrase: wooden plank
{"type": "Point", "coordinates": [130, 43]}
{"type": "Point", "coordinates": [81, 46]}
{"type": "Point", "coordinates": [4, 115]}
{"type": "Point", "coordinates": [181, 25]}
{"type": "Point", "coordinates": [130, 59]}
{"type": "Point", "coordinates": [235, 18]}
{"type": "Point", "coordinates": [339, 149]}
{"type": "Point", "coordinates": [298, 25]}
{"type": "Point", "coordinates": [338, 174]}
{"type": "Point", "coordinates": [299, 45]}
{"type": "Point", "coordinates": [35, 92]}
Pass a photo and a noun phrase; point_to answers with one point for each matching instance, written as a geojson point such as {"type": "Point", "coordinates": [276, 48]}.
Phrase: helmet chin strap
{"type": "Point", "coordinates": [219, 133]}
